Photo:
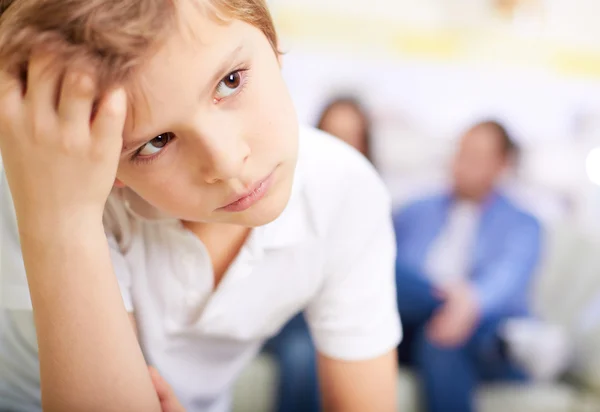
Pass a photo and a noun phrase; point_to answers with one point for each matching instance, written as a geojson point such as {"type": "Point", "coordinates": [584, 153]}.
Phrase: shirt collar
{"type": "Point", "coordinates": [450, 198]}
{"type": "Point", "coordinates": [295, 223]}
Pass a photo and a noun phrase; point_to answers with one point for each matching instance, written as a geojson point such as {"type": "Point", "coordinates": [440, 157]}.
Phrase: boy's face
{"type": "Point", "coordinates": [211, 121]}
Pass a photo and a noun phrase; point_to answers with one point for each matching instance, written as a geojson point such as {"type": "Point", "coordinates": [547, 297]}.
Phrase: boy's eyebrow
{"type": "Point", "coordinates": [134, 144]}
{"type": "Point", "coordinates": [224, 69]}
{"type": "Point", "coordinates": [219, 74]}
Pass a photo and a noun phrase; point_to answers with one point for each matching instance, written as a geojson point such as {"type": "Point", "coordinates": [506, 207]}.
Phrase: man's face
{"type": "Point", "coordinates": [479, 163]}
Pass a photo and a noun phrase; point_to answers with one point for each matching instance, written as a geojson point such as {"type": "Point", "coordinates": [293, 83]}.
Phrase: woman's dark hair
{"type": "Point", "coordinates": [360, 112]}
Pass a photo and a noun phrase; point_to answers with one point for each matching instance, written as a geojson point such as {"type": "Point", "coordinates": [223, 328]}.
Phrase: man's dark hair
{"type": "Point", "coordinates": [509, 147]}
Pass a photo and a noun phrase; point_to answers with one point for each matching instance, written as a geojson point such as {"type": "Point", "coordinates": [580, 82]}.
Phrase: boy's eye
{"type": "Point", "coordinates": [155, 145]}
{"type": "Point", "coordinates": [229, 85]}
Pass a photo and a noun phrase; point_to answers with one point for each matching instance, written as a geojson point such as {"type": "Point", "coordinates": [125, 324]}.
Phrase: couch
{"type": "Point", "coordinates": [566, 287]}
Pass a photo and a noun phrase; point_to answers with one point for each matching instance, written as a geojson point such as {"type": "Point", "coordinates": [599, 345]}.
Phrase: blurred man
{"type": "Point", "coordinates": [465, 263]}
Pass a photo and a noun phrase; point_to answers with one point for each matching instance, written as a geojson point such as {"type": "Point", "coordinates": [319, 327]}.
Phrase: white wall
{"type": "Point", "coordinates": [422, 107]}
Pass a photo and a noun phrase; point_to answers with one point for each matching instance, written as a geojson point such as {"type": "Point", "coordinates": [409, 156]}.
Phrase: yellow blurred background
{"type": "Point", "coordinates": [427, 69]}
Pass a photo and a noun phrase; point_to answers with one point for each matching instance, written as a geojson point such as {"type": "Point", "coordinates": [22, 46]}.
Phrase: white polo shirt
{"type": "Point", "coordinates": [331, 253]}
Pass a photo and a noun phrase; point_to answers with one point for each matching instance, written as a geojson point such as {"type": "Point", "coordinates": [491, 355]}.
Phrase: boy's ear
{"type": "Point", "coordinates": [119, 184]}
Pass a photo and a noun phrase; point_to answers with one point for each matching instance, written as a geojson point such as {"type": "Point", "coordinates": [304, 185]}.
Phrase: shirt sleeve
{"type": "Point", "coordinates": [355, 316]}
{"type": "Point", "coordinates": [14, 290]}
{"type": "Point", "coordinates": [511, 272]}
{"type": "Point", "coordinates": [13, 281]}
{"type": "Point", "coordinates": [119, 232]}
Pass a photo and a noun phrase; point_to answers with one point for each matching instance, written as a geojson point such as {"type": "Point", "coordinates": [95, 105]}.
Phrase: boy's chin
{"type": "Point", "coordinates": [264, 212]}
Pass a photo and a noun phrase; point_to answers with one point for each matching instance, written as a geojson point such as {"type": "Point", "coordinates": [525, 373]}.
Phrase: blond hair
{"type": "Point", "coordinates": [113, 36]}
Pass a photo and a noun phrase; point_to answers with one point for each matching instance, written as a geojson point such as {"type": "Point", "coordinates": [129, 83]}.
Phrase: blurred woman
{"type": "Point", "coordinates": [347, 119]}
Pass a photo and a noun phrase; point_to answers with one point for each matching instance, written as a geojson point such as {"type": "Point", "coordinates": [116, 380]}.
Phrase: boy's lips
{"type": "Point", "coordinates": [244, 201]}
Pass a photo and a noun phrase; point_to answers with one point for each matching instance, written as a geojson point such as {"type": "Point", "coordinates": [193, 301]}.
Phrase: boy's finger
{"type": "Point", "coordinates": [167, 397]}
{"type": "Point", "coordinates": [11, 99]}
{"type": "Point", "coordinates": [110, 116]}
{"type": "Point", "coordinates": [42, 85]}
{"type": "Point", "coordinates": [160, 385]}
{"type": "Point", "coordinates": [77, 98]}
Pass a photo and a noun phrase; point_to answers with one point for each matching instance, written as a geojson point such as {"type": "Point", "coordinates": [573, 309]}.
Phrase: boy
{"type": "Point", "coordinates": [223, 219]}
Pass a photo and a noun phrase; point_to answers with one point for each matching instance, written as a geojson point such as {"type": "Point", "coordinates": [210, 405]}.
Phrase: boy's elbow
{"type": "Point", "coordinates": [55, 401]}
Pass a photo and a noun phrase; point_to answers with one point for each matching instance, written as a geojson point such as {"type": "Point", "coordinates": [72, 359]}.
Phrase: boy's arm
{"type": "Point", "coordinates": [133, 323]}
{"type": "Point", "coordinates": [359, 386]}
{"type": "Point", "coordinates": [89, 357]}
{"type": "Point", "coordinates": [60, 169]}
{"type": "Point", "coordinates": [354, 319]}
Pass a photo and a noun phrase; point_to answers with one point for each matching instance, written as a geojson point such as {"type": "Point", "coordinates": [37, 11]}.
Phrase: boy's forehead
{"type": "Point", "coordinates": [192, 14]}
{"type": "Point", "coordinates": [186, 63]}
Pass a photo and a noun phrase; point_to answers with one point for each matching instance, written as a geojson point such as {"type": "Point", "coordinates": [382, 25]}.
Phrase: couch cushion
{"type": "Point", "coordinates": [501, 397]}
{"type": "Point", "coordinates": [566, 288]}
{"type": "Point", "coordinates": [552, 397]}
{"type": "Point", "coordinates": [256, 388]}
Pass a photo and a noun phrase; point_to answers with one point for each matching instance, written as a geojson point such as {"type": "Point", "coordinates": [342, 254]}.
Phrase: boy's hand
{"type": "Point", "coordinates": [60, 161]}
{"type": "Point", "coordinates": [168, 400]}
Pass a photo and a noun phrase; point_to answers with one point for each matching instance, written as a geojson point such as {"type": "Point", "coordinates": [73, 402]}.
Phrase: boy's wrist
{"type": "Point", "coordinates": [60, 226]}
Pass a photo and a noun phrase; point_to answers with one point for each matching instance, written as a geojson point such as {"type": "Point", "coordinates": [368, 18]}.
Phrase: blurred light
{"type": "Point", "coordinates": [592, 166]}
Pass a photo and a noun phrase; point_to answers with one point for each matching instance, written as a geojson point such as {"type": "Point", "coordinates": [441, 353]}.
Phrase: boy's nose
{"type": "Point", "coordinates": [224, 165]}
{"type": "Point", "coordinates": [222, 154]}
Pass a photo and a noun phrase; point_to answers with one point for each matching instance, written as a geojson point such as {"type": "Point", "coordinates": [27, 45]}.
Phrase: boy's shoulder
{"type": "Point", "coordinates": [326, 160]}
{"type": "Point", "coordinates": [337, 178]}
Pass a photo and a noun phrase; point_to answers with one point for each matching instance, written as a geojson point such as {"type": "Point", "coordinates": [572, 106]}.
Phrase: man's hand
{"type": "Point", "coordinates": [168, 400]}
{"type": "Point", "coordinates": [59, 153]}
{"type": "Point", "coordinates": [454, 324]}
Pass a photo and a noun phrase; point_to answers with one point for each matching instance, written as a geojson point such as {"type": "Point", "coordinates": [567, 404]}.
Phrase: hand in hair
{"type": "Point", "coordinates": [60, 159]}
{"type": "Point", "coordinates": [4, 5]}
